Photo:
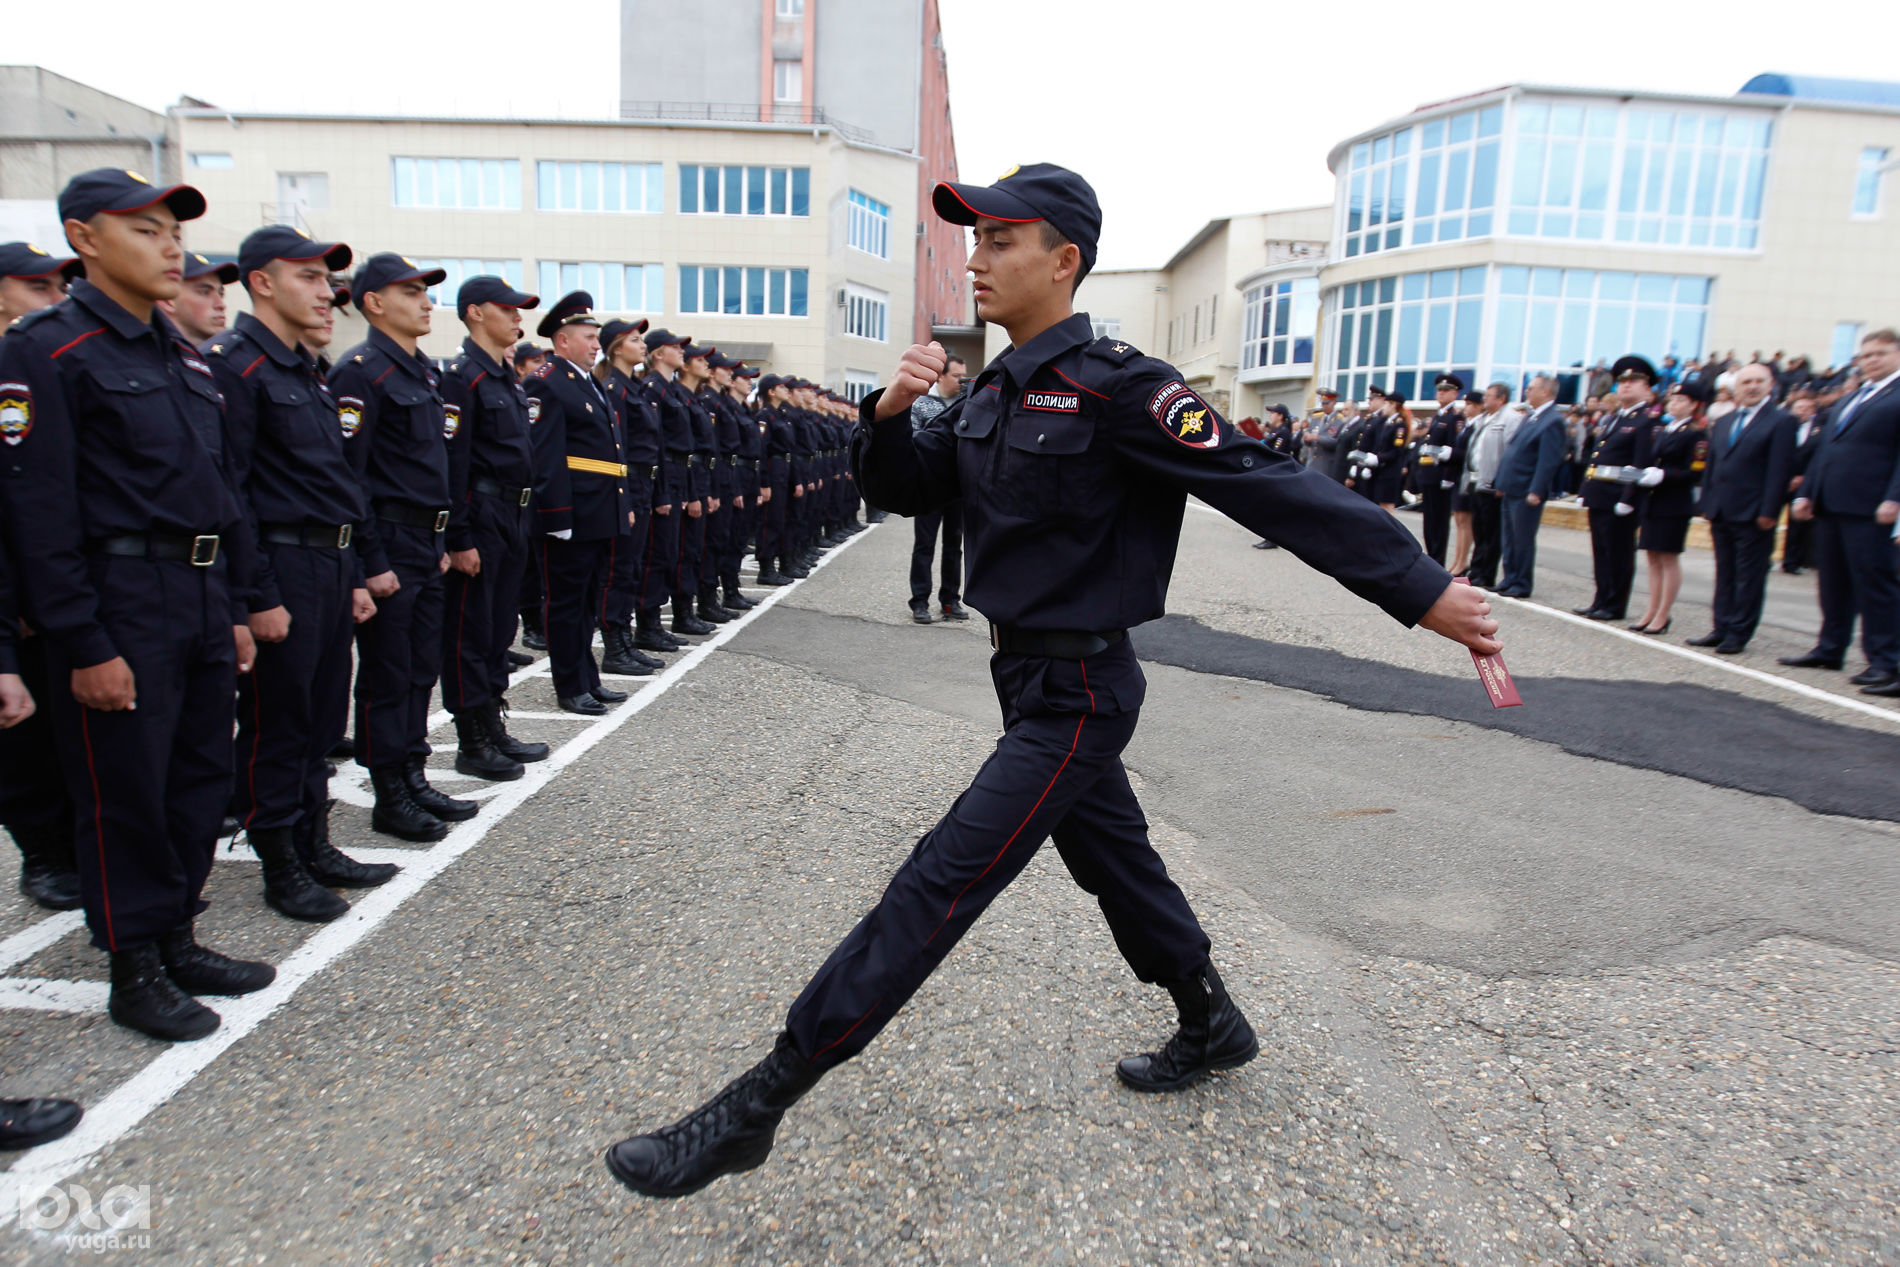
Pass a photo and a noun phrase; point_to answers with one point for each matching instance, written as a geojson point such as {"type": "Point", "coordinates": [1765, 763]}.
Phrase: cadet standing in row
{"type": "Point", "coordinates": [675, 498]}
{"type": "Point", "coordinates": [1436, 477]}
{"type": "Point", "coordinates": [1611, 487]}
{"type": "Point", "coordinates": [775, 480]}
{"type": "Point", "coordinates": [623, 350]}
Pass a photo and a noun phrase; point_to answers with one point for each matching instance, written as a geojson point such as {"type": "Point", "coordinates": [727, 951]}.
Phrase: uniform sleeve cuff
{"type": "Point", "coordinates": [90, 648]}
{"type": "Point", "coordinates": [1423, 585]}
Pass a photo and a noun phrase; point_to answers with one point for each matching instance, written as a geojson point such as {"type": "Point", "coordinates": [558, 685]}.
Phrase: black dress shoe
{"type": "Point", "coordinates": [608, 695]}
{"type": "Point", "coordinates": [198, 969]}
{"type": "Point", "coordinates": [1890, 690]}
{"type": "Point", "coordinates": [922, 615]}
{"type": "Point", "coordinates": [145, 998]}
{"type": "Point", "coordinates": [446, 808]}
{"type": "Point", "coordinates": [1602, 613]}
{"type": "Point", "coordinates": [584, 704]}
{"type": "Point", "coordinates": [954, 610]}
{"type": "Point", "coordinates": [1265, 545]}
{"type": "Point", "coordinates": [1732, 646]}
{"type": "Point", "coordinates": [1581, 611]}
{"type": "Point", "coordinates": [1212, 1035]}
{"type": "Point", "coordinates": [534, 640]}
{"type": "Point", "coordinates": [1706, 640]}
{"type": "Point", "coordinates": [1874, 677]}
{"type": "Point", "coordinates": [30, 1123]}
{"type": "Point", "coordinates": [1808, 660]}
{"type": "Point", "coordinates": [49, 873]}
{"type": "Point", "coordinates": [519, 660]}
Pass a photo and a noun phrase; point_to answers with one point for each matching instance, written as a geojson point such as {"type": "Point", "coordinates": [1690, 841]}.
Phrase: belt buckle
{"type": "Point", "coordinates": [204, 550]}
{"type": "Point", "coordinates": [344, 535]}
{"type": "Point", "coordinates": [441, 520]}
{"type": "Point", "coordinates": [996, 643]}
{"type": "Point", "coordinates": [526, 495]}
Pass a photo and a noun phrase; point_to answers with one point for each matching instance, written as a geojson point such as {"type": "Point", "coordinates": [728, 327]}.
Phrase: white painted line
{"type": "Point", "coordinates": [37, 994]}
{"type": "Point", "coordinates": [28, 942]}
{"type": "Point", "coordinates": [514, 715]}
{"type": "Point", "coordinates": [1687, 653]}
{"type": "Point", "coordinates": [110, 1119]}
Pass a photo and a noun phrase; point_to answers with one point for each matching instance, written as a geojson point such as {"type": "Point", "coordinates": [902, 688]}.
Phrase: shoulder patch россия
{"type": "Point", "coordinates": [16, 412]}
{"type": "Point", "coordinates": [451, 421]}
{"type": "Point", "coordinates": [349, 414]}
{"type": "Point", "coordinates": [1184, 416]}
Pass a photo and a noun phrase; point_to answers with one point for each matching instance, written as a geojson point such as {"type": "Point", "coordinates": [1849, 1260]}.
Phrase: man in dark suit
{"type": "Point", "coordinates": [1526, 475]}
{"type": "Point", "coordinates": [1795, 551]}
{"type": "Point", "coordinates": [1852, 494]}
{"type": "Point", "coordinates": [1742, 493]}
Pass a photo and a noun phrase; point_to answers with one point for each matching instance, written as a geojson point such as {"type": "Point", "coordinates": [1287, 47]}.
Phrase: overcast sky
{"type": "Point", "coordinates": [1178, 111]}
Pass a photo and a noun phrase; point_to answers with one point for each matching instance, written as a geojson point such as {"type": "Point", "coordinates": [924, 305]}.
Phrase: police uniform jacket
{"type": "Point", "coordinates": [705, 443]}
{"type": "Point", "coordinates": [1623, 439]}
{"type": "Point", "coordinates": [781, 439]}
{"type": "Point", "coordinates": [1683, 456]}
{"type": "Point", "coordinates": [1074, 457]}
{"type": "Point", "coordinates": [1443, 433]}
{"type": "Point", "coordinates": [286, 448]}
{"type": "Point", "coordinates": [640, 434]}
{"type": "Point", "coordinates": [668, 398]}
{"type": "Point", "coordinates": [751, 446]}
{"type": "Point", "coordinates": [395, 433]}
{"type": "Point", "coordinates": [717, 406]}
{"type": "Point", "coordinates": [1386, 436]}
{"type": "Point", "coordinates": [804, 446]}
{"type": "Point", "coordinates": [491, 449]}
{"type": "Point", "coordinates": [580, 460]}
{"type": "Point", "coordinates": [112, 427]}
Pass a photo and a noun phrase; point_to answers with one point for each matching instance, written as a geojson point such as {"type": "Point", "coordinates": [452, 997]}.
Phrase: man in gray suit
{"type": "Point", "coordinates": [1526, 475]}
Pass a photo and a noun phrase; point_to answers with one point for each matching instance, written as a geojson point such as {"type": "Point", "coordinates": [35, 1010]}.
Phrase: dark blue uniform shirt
{"type": "Point", "coordinates": [1074, 457]}
{"type": "Point", "coordinates": [112, 427]}
{"type": "Point", "coordinates": [280, 427]}
{"type": "Point", "coordinates": [491, 440]}
{"type": "Point", "coordinates": [640, 434]}
{"type": "Point", "coordinates": [579, 457]}
{"type": "Point", "coordinates": [395, 432]}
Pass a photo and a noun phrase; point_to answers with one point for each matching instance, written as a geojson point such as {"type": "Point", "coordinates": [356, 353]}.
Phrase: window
{"type": "Point", "coordinates": [1867, 181]}
{"type": "Point", "coordinates": [1396, 332]}
{"type": "Point", "coordinates": [456, 184]}
{"type": "Point", "coordinates": [791, 8]}
{"type": "Point", "coordinates": [1279, 323]}
{"type": "Point", "coordinates": [1438, 177]}
{"type": "Point", "coordinates": [788, 81]}
{"type": "Point", "coordinates": [1845, 345]}
{"type": "Point", "coordinates": [1564, 320]}
{"type": "Point", "coordinates": [742, 292]}
{"type": "Point", "coordinates": [622, 187]}
{"type": "Point", "coordinates": [615, 287]}
{"type": "Point", "coordinates": [858, 384]}
{"type": "Point", "coordinates": [867, 312]}
{"type": "Point", "coordinates": [745, 191]}
{"type": "Point", "coordinates": [870, 228]}
{"type": "Point", "coordinates": [1681, 178]}
{"type": "Point", "coordinates": [213, 162]}
{"type": "Point", "coordinates": [459, 271]}
{"type": "Point", "coordinates": [1106, 327]}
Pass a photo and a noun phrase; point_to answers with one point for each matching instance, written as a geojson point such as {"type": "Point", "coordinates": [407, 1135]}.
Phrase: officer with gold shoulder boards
{"type": "Point", "coordinates": [1434, 464]}
{"type": "Point", "coordinates": [1613, 485]}
{"type": "Point", "coordinates": [582, 503]}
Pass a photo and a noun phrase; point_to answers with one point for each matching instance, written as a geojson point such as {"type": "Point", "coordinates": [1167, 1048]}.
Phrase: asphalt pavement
{"type": "Point", "coordinates": [1606, 979]}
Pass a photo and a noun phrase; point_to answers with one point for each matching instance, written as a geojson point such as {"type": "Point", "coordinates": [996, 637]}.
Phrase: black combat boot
{"type": "Point", "coordinates": [711, 611]}
{"type": "Point", "coordinates": [650, 635]}
{"type": "Point", "coordinates": [446, 808]}
{"type": "Point", "coordinates": [793, 568]}
{"type": "Point", "coordinates": [475, 751]}
{"type": "Point", "coordinates": [769, 575]}
{"type": "Point", "coordinates": [145, 998]}
{"type": "Point", "coordinates": [533, 636]}
{"type": "Point", "coordinates": [289, 888]}
{"type": "Point", "coordinates": [48, 873]}
{"type": "Point", "coordinates": [734, 600]}
{"type": "Point", "coordinates": [507, 744]}
{"type": "Point", "coordinates": [1213, 1035]}
{"type": "Point", "coordinates": [30, 1123]}
{"type": "Point", "coordinates": [197, 969]}
{"type": "Point", "coordinates": [618, 654]}
{"type": "Point", "coordinates": [396, 813]}
{"type": "Point", "coordinates": [329, 865]}
{"type": "Point", "coordinates": [684, 622]}
{"type": "Point", "coordinates": [729, 1133]}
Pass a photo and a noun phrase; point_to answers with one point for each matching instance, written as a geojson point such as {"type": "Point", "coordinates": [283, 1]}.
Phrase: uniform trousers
{"type": "Point", "coordinates": [399, 651]}
{"type": "Point", "coordinates": [149, 785]}
{"type": "Point", "coordinates": [1487, 537]}
{"type": "Point", "coordinates": [576, 573]}
{"type": "Point", "coordinates": [626, 559]}
{"type": "Point", "coordinates": [1854, 557]}
{"type": "Point", "coordinates": [294, 703]}
{"type": "Point", "coordinates": [32, 785]}
{"type": "Point", "coordinates": [1742, 555]}
{"type": "Point", "coordinates": [1056, 772]}
{"type": "Point", "coordinates": [923, 554]}
{"type": "Point", "coordinates": [478, 612]}
{"type": "Point", "coordinates": [1437, 516]}
{"type": "Point", "coordinates": [661, 554]}
{"type": "Point", "coordinates": [772, 517]}
{"type": "Point", "coordinates": [692, 548]}
{"type": "Point", "coordinates": [1613, 551]}
{"type": "Point", "coordinates": [718, 540]}
{"type": "Point", "coordinates": [744, 529]}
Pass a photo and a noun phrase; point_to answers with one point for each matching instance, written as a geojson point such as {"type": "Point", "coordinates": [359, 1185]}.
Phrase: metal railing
{"type": "Point", "coordinates": [743, 112]}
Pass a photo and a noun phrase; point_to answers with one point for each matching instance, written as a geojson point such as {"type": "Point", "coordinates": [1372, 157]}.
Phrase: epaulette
{"type": "Point", "coordinates": [221, 341]}
{"type": "Point", "coordinates": [33, 318]}
{"type": "Point", "coordinates": [1113, 350]}
{"type": "Point", "coordinates": [543, 370]}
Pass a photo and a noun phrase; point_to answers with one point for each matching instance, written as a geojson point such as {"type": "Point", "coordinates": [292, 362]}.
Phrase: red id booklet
{"type": "Point", "coordinates": [1496, 678]}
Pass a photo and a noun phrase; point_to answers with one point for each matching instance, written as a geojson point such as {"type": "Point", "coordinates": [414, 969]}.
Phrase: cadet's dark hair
{"type": "Point", "coordinates": [1053, 240]}
{"type": "Point", "coordinates": [954, 359]}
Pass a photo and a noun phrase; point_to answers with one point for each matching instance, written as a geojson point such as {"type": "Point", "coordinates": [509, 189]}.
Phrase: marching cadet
{"type": "Point", "coordinates": [304, 503]}
{"type": "Point", "coordinates": [198, 311]}
{"type": "Point", "coordinates": [33, 800]}
{"type": "Point", "coordinates": [1613, 482]}
{"type": "Point", "coordinates": [1436, 478]}
{"type": "Point", "coordinates": [134, 558]}
{"type": "Point", "coordinates": [675, 496]}
{"type": "Point", "coordinates": [396, 431]}
{"type": "Point", "coordinates": [696, 533]}
{"type": "Point", "coordinates": [583, 508]}
{"type": "Point", "coordinates": [776, 487]}
{"type": "Point", "coordinates": [623, 350]}
{"type": "Point", "coordinates": [1074, 457]}
{"type": "Point", "coordinates": [491, 483]}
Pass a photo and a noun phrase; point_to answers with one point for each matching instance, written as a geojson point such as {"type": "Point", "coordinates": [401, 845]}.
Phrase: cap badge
{"type": "Point", "coordinates": [135, 176]}
{"type": "Point", "coordinates": [1014, 168]}
{"type": "Point", "coordinates": [35, 249]}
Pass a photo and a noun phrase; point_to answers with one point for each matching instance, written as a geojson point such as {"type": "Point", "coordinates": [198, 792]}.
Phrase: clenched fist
{"type": "Point", "coordinates": [916, 374]}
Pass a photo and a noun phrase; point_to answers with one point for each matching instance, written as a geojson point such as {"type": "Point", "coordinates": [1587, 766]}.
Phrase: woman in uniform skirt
{"type": "Point", "coordinates": [1679, 452]}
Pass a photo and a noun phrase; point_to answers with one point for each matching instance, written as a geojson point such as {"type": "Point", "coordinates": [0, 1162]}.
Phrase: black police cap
{"type": "Point", "coordinates": [118, 191]}
{"type": "Point", "coordinates": [527, 352]}
{"type": "Point", "coordinates": [768, 382]}
{"type": "Point", "coordinates": [1040, 191]}
{"type": "Point", "coordinates": [666, 339]}
{"type": "Point", "coordinates": [1282, 410]}
{"type": "Point", "coordinates": [1452, 381]}
{"type": "Point", "coordinates": [616, 330]}
{"type": "Point", "coordinates": [23, 259]}
{"type": "Point", "coordinates": [1696, 388]}
{"type": "Point", "coordinates": [386, 268]}
{"type": "Point", "coordinates": [720, 361]}
{"type": "Point", "coordinates": [693, 352]}
{"type": "Point", "coordinates": [197, 266]}
{"type": "Point", "coordinates": [1633, 365]}
{"type": "Point", "coordinates": [281, 242]}
{"type": "Point", "coordinates": [575, 308]}
{"type": "Point", "coordinates": [742, 370]}
{"type": "Point", "coordinates": [486, 288]}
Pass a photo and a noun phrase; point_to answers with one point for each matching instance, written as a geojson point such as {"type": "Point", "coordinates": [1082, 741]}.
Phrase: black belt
{"type": "Point", "coordinates": [316, 536]}
{"type": "Point", "coordinates": [200, 551]}
{"type": "Point", "coordinates": [1058, 644]}
{"type": "Point", "coordinates": [411, 516]}
{"type": "Point", "coordinates": [495, 488]}
{"type": "Point", "coordinates": [677, 455]}
{"type": "Point", "coordinates": [732, 459]}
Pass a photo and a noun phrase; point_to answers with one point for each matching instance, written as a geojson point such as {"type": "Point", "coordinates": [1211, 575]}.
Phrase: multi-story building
{"type": "Point", "coordinates": [51, 129]}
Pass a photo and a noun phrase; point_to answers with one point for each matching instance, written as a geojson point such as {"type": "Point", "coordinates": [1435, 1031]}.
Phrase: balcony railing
{"type": "Point", "coordinates": [742, 112]}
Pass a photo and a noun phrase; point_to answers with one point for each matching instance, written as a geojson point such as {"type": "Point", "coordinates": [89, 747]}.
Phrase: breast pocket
{"type": "Point", "coordinates": [135, 407]}
{"type": "Point", "coordinates": [504, 418]}
{"type": "Point", "coordinates": [422, 415]}
{"type": "Point", "coordinates": [1048, 471]}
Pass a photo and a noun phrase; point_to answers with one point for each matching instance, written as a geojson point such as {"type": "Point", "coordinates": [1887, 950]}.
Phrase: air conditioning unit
{"type": "Point", "coordinates": [841, 296]}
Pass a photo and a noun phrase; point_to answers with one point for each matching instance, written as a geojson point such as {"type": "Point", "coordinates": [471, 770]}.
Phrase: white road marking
{"type": "Point", "coordinates": [37, 994]}
{"type": "Point", "coordinates": [1687, 653]}
{"type": "Point", "coordinates": [110, 1119]}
